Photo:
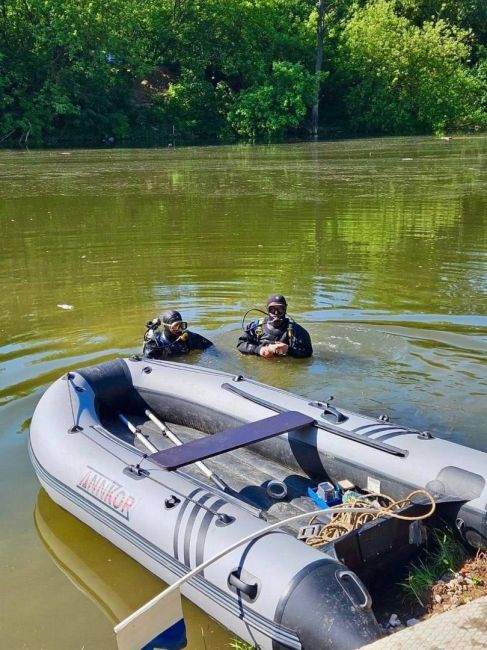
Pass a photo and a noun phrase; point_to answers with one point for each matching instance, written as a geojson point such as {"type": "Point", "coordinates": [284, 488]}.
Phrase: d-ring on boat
{"type": "Point", "coordinates": [172, 497]}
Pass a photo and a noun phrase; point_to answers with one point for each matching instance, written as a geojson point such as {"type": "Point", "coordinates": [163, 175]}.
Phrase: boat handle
{"type": "Point", "coordinates": [329, 410]}
{"type": "Point", "coordinates": [339, 416]}
{"type": "Point", "coordinates": [348, 574]}
{"type": "Point", "coordinates": [247, 588]}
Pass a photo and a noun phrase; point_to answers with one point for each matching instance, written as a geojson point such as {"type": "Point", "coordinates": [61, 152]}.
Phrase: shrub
{"type": "Point", "coordinates": [269, 109]}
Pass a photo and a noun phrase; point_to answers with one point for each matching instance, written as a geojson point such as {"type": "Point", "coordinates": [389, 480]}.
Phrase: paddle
{"type": "Point", "coordinates": [137, 433]}
{"type": "Point", "coordinates": [160, 625]}
{"type": "Point", "coordinates": [220, 483]}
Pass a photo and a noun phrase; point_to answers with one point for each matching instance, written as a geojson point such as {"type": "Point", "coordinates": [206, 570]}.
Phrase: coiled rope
{"type": "Point", "coordinates": [343, 522]}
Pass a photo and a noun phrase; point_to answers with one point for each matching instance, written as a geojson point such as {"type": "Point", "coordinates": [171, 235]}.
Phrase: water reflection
{"type": "Point", "coordinates": [352, 221]}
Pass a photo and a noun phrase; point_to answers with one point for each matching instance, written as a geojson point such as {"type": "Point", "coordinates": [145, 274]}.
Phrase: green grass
{"type": "Point", "coordinates": [444, 556]}
{"type": "Point", "coordinates": [238, 644]}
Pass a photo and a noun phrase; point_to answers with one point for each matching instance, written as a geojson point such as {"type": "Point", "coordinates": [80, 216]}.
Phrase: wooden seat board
{"type": "Point", "coordinates": [219, 443]}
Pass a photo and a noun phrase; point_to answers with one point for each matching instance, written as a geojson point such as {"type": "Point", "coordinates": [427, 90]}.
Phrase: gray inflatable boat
{"type": "Point", "coordinates": [98, 449]}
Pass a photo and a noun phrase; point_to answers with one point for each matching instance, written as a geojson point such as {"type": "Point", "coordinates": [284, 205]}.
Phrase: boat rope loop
{"type": "Point", "coordinates": [343, 522]}
{"type": "Point", "coordinates": [69, 380]}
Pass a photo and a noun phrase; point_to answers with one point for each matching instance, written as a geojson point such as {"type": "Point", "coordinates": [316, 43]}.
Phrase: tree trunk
{"type": "Point", "coordinates": [320, 31]}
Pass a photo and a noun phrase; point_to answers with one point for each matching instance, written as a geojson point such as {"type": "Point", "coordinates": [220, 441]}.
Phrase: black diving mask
{"type": "Point", "coordinates": [277, 316]}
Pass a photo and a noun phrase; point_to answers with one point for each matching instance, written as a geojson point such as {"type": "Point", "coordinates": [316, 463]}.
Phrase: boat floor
{"type": "Point", "coordinates": [246, 472]}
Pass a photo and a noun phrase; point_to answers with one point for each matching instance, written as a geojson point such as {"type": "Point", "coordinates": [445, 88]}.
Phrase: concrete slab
{"type": "Point", "coordinates": [462, 628]}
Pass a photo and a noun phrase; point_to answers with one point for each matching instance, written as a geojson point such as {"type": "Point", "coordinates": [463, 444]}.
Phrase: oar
{"type": "Point", "coordinates": [137, 433]}
{"type": "Point", "coordinates": [173, 437]}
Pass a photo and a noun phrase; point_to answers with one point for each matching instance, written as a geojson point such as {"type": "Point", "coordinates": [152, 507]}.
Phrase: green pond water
{"type": "Point", "coordinates": [379, 246]}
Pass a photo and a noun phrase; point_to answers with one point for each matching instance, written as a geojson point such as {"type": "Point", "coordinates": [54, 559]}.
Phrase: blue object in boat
{"type": "Point", "coordinates": [320, 502]}
{"type": "Point", "coordinates": [316, 498]}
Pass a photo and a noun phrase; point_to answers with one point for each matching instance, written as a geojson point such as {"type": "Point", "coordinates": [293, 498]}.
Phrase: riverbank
{"type": "Point", "coordinates": [396, 611]}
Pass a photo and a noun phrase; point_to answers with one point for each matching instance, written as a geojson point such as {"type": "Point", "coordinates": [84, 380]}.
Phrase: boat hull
{"type": "Point", "coordinates": [275, 592]}
{"type": "Point", "coordinates": [171, 523]}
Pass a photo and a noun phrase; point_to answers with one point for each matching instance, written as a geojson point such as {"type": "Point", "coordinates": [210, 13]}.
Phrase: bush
{"type": "Point", "coordinates": [271, 108]}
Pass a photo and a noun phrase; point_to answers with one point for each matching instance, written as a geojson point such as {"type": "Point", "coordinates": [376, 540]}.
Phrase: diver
{"type": "Point", "coordinates": [275, 334]}
{"type": "Point", "coordinates": [168, 335]}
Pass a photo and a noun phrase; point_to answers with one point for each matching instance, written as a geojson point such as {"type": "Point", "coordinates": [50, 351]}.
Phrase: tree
{"type": "Point", "coordinates": [402, 78]}
{"type": "Point", "coordinates": [320, 32]}
{"type": "Point", "coordinates": [467, 14]}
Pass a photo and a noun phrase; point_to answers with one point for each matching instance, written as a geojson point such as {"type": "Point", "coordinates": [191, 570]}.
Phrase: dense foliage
{"type": "Point", "coordinates": [158, 71]}
{"type": "Point", "coordinates": [420, 80]}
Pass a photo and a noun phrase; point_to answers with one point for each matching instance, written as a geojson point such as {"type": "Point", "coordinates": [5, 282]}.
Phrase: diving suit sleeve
{"type": "Point", "coordinates": [300, 347]}
{"type": "Point", "coordinates": [248, 343]}
{"type": "Point", "coordinates": [198, 342]}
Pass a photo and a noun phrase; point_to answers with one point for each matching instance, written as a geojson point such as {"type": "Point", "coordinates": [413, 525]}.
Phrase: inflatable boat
{"type": "Point", "coordinates": [173, 496]}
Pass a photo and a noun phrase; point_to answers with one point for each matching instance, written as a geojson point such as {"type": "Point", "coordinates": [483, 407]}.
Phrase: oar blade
{"type": "Point", "coordinates": [159, 624]}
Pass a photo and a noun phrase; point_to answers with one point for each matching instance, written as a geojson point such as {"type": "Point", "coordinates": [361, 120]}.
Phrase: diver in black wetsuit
{"type": "Point", "coordinates": [275, 334]}
{"type": "Point", "coordinates": [173, 339]}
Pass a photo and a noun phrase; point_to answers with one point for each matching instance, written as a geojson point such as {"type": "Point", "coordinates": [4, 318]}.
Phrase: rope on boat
{"type": "Point", "coordinates": [343, 521]}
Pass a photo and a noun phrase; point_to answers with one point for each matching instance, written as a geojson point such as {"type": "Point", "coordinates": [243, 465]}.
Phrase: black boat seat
{"type": "Point", "coordinates": [219, 443]}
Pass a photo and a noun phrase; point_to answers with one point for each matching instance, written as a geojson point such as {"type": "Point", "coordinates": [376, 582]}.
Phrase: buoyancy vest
{"type": "Point", "coordinates": [263, 333]}
{"type": "Point", "coordinates": [179, 345]}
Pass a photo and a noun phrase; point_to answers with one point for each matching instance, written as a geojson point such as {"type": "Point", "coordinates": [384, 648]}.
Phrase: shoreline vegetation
{"type": "Point", "coordinates": [445, 575]}
{"type": "Point", "coordinates": [175, 72]}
